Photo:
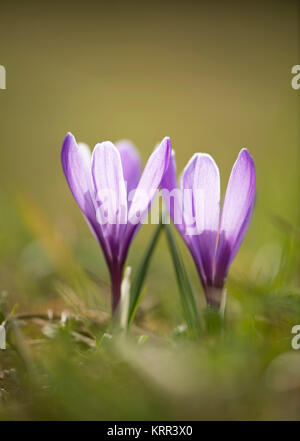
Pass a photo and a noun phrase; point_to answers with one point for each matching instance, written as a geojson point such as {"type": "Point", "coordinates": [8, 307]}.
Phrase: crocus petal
{"type": "Point", "coordinates": [243, 230]}
{"type": "Point", "coordinates": [78, 174]}
{"type": "Point", "coordinates": [169, 180]}
{"type": "Point", "coordinates": [131, 163]}
{"type": "Point", "coordinates": [239, 197]}
{"type": "Point", "coordinates": [109, 188]}
{"type": "Point", "coordinates": [76, 163]}
{"type": "Point", "coordinates": [171, 193]}
{"type": "Point", "coordinates": [150, 181]}
{"type": "Point", "coordinates": [186, 186]}
{"type": "Point", "coordinates": [189, 222]}
{"type": "Point", "coordinates": [206, 201]}
{"type": "Point", "coordinates": [206, 193]}
{"type": "Point", "coordinates": [236, 213]}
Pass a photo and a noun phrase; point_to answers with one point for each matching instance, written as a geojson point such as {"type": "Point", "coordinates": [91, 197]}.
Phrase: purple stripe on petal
{"type": "Point", "coordinates": [171, 193]}
{"type": "Point", "coordinates": [242, 231]}
{"type": "Point", "coordinates": [131, 163]}
{"type": "Point", "coordinates": [222, 260]}
{"type": "Point", "coordinates": [169, 180]}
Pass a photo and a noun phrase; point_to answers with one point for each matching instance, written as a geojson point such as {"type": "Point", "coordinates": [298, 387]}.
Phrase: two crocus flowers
{"type": "Point", "coordinates": [115, 198]}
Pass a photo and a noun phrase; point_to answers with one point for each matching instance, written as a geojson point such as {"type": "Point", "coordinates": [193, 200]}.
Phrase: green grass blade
{"type": "Point", "coordinates": [139, 277]}
{"type": "Point", "coordinates": [137, 304]}
{"type": "Point", "coordinates": [185, 289]}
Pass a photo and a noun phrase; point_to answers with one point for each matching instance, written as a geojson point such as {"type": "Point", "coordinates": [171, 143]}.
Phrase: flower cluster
{"type": "Point", "coordinates": [115, 197]}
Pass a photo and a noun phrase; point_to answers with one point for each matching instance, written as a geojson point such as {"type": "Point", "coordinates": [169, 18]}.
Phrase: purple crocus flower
{"type": "Point", "coordinates": [103, 186]}
{"type": "Point", "coordinates": [213, 236]}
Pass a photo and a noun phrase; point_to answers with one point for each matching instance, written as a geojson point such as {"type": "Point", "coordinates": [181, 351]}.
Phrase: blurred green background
{"type": "Point", "coordinates": [214, 77]}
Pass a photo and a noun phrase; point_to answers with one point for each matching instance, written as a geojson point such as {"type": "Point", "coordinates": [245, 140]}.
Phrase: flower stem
{"type": "Point", "coordinates": [116, 279]}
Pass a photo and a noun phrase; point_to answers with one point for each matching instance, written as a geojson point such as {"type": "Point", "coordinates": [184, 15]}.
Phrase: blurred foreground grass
{"type": "Point", "coordinates": [66, 362]}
